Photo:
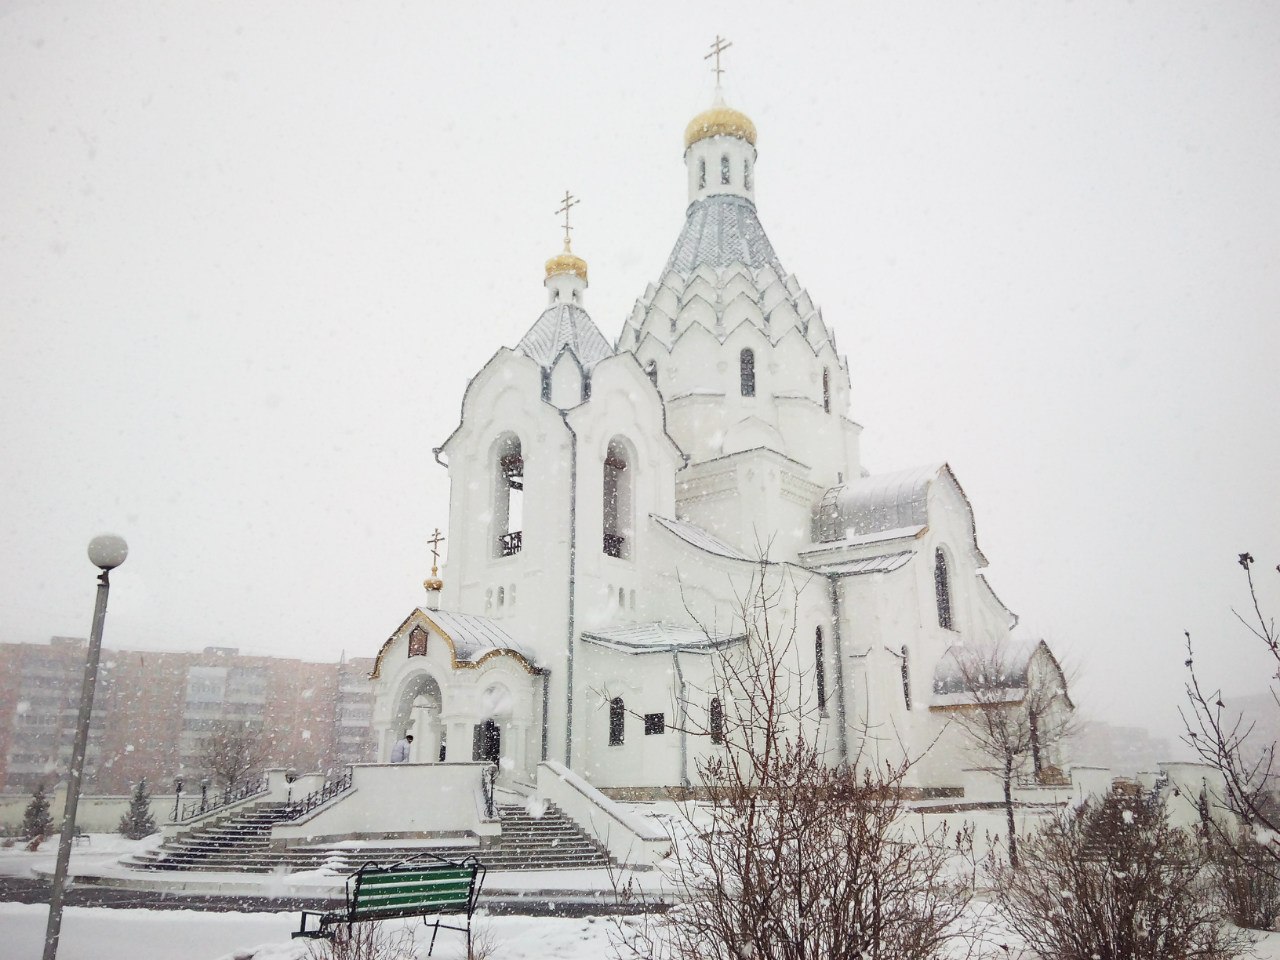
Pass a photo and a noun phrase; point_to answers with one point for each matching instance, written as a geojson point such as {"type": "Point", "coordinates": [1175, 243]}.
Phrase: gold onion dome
{"type": "Point", "coordinates": [567, 263]}
{"type": "Point", "coordinates": [719, 121]}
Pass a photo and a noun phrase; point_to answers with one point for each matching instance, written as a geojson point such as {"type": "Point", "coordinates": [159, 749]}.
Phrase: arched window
{"type": "Point", "coordinates": [617, 721]}
{"type": "Point", "coordinates": [702, 174]}
{"type": "Point", "coordinates": [746, 174]}
{"type": "Point", "coordinates": [651, 371]}
{"type": "Point", "coordinates": [617, 501]}
{"type": "Point", "coordinates": [724, 169]}
{"type": "Point", "coordinates": [747, 372]}
{"type": "Point", "coordinates": [488, 600]}
{"type": "Point", "coordinates": [622, 598]}
{"type": "Point", "coordinates": [1037, 763]}
{"type": "Point", "coordinates": [906, 678]}
{"type": "Point", "coordinates": [586, 387]}
{"type": "Point", "coordinates": [942, 587]}
{"type": "Point", "coordinates": [546, 383]}
{"type": "Point", "coordinates": [826, 390]}
{"type": "Point", "coordinates": [508, 506]}
{"type": "Point", "coordinates": [717, 720]}
{"type": "Point", "coordinates": [820, 670]}
{"type": "Point", "coordinates": [502, 596]}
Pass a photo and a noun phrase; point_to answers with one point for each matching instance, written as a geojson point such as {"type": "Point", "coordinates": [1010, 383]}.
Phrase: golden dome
{"type": "Point", "coordinates": [567, 263]}
{"type": "Point", "coordinates": [719, 121]}
{"type": "Point", "coordinates": [433, 584]}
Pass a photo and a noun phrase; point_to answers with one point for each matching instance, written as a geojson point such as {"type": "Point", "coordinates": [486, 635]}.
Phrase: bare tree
{"type": "Point", "coordinates": [1010, 699]}
{"type": "Point", "coordinates": [1225, 739]}
{"type": "Point", "coordinates": [232, 751]}
{"type": "Point", "coordinates": [789, 855]}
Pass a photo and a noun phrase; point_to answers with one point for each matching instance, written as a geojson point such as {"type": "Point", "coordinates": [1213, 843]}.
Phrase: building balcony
{"type": "Point", "coordinates": [509, 544]}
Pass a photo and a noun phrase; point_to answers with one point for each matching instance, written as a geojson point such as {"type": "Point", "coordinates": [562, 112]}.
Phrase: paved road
{"type": "Point", "coordinates": [23, 890]}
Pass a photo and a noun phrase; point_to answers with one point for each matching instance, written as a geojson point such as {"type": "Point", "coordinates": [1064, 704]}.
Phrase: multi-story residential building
{"type": "Point", "coordinates": [153, 711]}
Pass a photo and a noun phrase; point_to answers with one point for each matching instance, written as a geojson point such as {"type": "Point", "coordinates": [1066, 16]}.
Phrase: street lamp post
{"type": "Point", "coordinates": [290, 776]}
{"type": "Point", "coordinates": [204, 794]}
{"type": "Point", "coordinates": [106, 552]}
{"type": "Point", "coordinates": [177, 796]}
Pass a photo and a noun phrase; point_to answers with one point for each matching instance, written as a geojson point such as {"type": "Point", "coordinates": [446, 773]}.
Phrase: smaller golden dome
{"type": "Point", "coordinates": [567, 263]}
{"type": "Point", "coordinates": [433, 584]}
{"type": "Point", "coordinates": [719, 121]}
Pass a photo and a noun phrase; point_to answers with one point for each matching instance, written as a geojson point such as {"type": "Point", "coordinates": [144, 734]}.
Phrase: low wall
{"type": "Point", "coordinates": [95, 814]}
{"type": "Point", "coordinates": [397, 800]}
{"type": "Point", "coordinates": [631, 839]}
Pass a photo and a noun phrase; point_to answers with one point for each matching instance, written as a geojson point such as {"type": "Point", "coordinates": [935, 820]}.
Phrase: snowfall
{"type": "Point", "coordinates": [111, 933]}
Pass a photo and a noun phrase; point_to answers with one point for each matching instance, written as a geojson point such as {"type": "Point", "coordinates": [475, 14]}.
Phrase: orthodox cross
{"type": "Point", "coordinates": [717, 48]}
{"type": "Point", "coordinates": [569, 202]}
{"type": "Point", "coordinates": [435, 541]}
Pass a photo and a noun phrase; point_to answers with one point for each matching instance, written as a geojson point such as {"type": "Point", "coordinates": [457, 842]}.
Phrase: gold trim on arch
{"type": "Point", "coordinates": [417, 618]}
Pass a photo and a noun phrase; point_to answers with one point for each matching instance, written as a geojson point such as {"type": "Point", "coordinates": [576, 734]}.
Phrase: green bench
{"type": "Point", "coordinates": [420, 887]}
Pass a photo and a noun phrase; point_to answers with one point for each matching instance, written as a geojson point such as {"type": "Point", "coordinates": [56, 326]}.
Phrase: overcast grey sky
{"type": "Point", "coordinates": [251, 252]}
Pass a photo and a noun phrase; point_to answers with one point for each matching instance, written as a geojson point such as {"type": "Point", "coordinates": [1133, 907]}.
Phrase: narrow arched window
{"type": "Point", "coordinates": [826, 390]}
{"type": "Point", "coordinates": [724, 169]}
{"type": "Point", "coordinates": [820, 669]}
{"type": "Point", "coordinates": [617, 501]}
{"type": "Point", "coordinates": [586, 387]}
{"type": "Point", "coordinates": [508, 501]}
{"type": "Point", "coordinates": [502, 596]}
{"type": "Point", "coordinates": [622, 598]}
{"type": "Point", "coordinates": [746, 174]}
{"type": "Point", "coordinates": [617, 721]}
{"type": "Point", "coordinates": [747, 372]}
{"type": "Point", "coordinates": [651, 371]}
{"type": "Point", "coordinates": [717, 720]}
{"type": "Point", "coordinates": [1037, 764]}
{"type": "Point", "coordinates": [546, 383]}
{"type": "Point", "coordinates": [702, 174]}
{"type": "Point", "coordinates": [906, 678]}
{"type": "Point", "coordinates": [942, 587]}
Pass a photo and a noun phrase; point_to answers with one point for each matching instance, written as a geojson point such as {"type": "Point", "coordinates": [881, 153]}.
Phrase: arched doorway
{"type": "Point", "coordinates": [417, 712]}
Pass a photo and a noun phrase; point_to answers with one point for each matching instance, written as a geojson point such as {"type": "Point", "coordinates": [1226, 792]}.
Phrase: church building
{"type": "Point", "coordinates": [612, 499]}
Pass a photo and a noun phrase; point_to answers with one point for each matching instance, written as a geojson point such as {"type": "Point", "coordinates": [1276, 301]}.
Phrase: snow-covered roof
{"type": "Point", "coordinates": [660, 638]}
{"type": "Point", "coordinates": [984, 673]}
{"type": "Point", "coordinates": [884, 563]}
{"type": "Point", "coordinates": [697, 537]}
{"type": "Point", "coordinates": [722, 230]}
{"type": "Point", "coordinates": [565, 325]}
{"type": "Point", "coordinates": [473, 636]}
{"type": "Point", "coordinates": [875, 504]}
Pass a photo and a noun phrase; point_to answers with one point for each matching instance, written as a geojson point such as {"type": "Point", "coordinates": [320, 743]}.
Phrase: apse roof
{"type": "Point", "coordinates": [561, 325]}
{"type": "Point", "coordinates": [984, 673]}
{"type": "Point", "coordinates": [876, 504]}
{"type": "Point", "coordinates": [659, 638]}
{"type": "Point", "coordinates": [721, 230]}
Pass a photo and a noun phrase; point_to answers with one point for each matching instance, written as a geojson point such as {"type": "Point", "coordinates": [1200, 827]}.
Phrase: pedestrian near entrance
{"type": "Point", "coordinates": [400, 752]}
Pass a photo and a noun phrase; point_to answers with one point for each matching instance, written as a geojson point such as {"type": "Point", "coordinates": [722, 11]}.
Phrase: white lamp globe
{"type": "Point", "coordinates": [107, 551]}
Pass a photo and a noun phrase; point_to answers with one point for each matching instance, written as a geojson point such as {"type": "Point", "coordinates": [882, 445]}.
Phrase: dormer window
{"type": "Point", "coordinates": [747, 372]}
{"type": "Point", "coordinates": [724, 169]}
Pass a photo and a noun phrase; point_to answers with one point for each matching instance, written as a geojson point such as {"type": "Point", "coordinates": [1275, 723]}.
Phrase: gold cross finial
{"type": "Point", "coordinates": [717, 48]}
{"type": "Point", "coordinates": [435, 540]}
{"type": "Point", "coordinates": [569, 202]}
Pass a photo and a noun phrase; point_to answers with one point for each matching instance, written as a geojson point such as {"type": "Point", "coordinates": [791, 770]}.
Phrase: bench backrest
{"type": "Point", "coordinates": [407, 890]}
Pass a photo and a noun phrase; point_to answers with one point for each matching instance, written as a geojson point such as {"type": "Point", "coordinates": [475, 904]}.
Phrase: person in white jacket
{"type": "Point", "coordinates": [400, 752]}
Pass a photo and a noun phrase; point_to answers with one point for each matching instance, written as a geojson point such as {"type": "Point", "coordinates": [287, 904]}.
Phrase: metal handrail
{"type": "Point", "coordinates": [198, 808]}
{"type": "Point", "coordinates": [329, 790]}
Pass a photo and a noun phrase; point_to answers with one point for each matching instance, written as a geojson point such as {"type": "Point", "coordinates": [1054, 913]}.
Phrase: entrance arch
{"type": "Point", "coordinates": [417, 712]}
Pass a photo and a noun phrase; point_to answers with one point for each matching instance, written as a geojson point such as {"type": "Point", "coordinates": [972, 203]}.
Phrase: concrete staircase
{"type": "Point", "coordinates": [242, 844]}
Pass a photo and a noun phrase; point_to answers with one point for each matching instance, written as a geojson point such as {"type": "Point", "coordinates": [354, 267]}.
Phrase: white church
{"type": "Point", "coordinates": [610, 503]}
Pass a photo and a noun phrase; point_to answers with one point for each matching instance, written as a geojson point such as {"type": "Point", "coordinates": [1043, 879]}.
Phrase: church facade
{"type": "Point", "coordinates": [612, 502]}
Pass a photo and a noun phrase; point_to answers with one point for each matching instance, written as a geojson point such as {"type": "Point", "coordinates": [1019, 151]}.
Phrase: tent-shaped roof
{"type": "Point", "coordinates": [565, 325]}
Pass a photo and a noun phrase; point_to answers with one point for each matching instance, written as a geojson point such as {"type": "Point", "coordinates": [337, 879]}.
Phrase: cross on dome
{"type": "Point", "coordinates": [569, 202]}
{"type": "Point", "coordinates": [567, 262]}
{"type": "Point", "coordinates": [717, 48]}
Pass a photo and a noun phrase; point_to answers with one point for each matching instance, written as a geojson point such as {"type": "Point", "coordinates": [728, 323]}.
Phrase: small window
{"type": "Point", "coordinates": [632, 598]}
{"type": "Point", "coordinates": [746, 174]}
{"type": "Point", "coordinates": [820, 670]}
{"type": "Point", "coordinates": [702, 174]}
{"type": "Point", "coordinates": [717, 720]}
{"type": "Point", "coordinates": [502, 593]}
{"type": "Point", "coordinates": [622, 598]}
{"type": "Point", "coordinates": [654, 724]}
{"type": "Point", "coordinates": [488, 600]}
{"type": "Point", "coordinates": [826, 390]}
{"type": "Point", "coordinates": [942, 587]}
{"type": "Point", "coordinates": [617, 721]}
{"type": "Point", "coordinates": [586, 388]}
{"type": "Point", "coordinates": [724, 169]}
{"type": "Point", "coordinates": [1036, 762]}
{"type": "Point", "coordinates": [651, 371]}
{"type": "Point", "coordinates": [906, 678]}
{"type": "Point", "coordinates": [546, 384]}
{"type": "Point", "coordinates": [747, 372]}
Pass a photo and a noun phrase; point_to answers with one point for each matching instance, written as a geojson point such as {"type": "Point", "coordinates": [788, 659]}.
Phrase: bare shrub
{"type": "Point", "coordinates": [790, 856]}
{"type": "Point", "coordinates": [1250, 890]}
{"type": "Point", "coordinates": [365, 941]}
{"type": "Point", "coordinates": [1114, 881]}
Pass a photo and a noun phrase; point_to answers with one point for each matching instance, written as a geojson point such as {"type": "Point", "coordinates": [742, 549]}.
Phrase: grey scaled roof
{"type": "Point", "coordinates": [984, 672]}
{"type": "Point", "coordinates": [877, 504]}
{"type": "Point", "coordinates": [720, 231]}
{"type": "Point", "coordinates": [565, 325]}
{"type": "Point", "coordinates": [659, 638]}
{"type": "Point", "coordinates": [475, 636]}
